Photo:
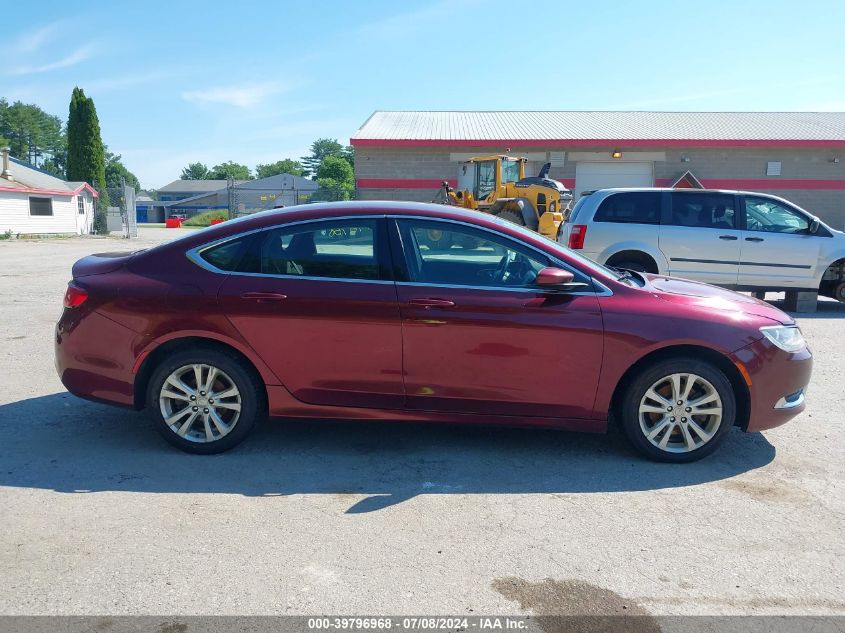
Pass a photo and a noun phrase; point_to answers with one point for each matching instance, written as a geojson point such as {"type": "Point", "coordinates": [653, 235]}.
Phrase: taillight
{"type": "Point", "coordinates": [74, 296]}
{"type": "Point", "coordinates": [577, 235]}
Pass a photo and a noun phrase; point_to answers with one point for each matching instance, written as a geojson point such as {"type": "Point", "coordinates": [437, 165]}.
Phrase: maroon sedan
{"type": "Point", "coordinates": [403, 311]}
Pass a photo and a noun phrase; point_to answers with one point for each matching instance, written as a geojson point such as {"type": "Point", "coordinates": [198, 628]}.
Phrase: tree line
{"type": "Point", "coordinates": [329, 163]}
{"type": "Point", "coordinates": [41, 139]}
{"type": "Point", "coordinates": [74, 150]}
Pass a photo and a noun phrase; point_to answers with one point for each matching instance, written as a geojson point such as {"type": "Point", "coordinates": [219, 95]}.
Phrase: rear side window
{"type": "Point", "coordinates": [703, 210]}
{"type": "Point", "coordinates": [342, 249]}
{"type": "Point", "coordinates": [633, 207]}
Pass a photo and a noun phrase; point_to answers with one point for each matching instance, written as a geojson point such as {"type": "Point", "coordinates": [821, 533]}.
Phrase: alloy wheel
{"type": "Point", "coordinates": [680, 413]}
{"type": "Point", "coordinates": [200, 403]}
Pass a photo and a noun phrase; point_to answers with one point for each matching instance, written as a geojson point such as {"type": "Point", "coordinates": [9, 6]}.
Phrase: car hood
{"type": "Point", "coordinates": [697, 294]}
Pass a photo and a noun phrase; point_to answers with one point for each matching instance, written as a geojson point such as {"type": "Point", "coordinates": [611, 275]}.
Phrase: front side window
{"type": "Point", "coordinates": [40, 206]}
{"type": "Point", "coordinates": [703, 210]}
{"type": "Point", "coordinates": [486, 180]}
{"type": "Point", "coordinates": [80, 204]}
{"type": "Point", "coordinates": [445, 253]}
{"type": "Point", "coordinates": [765, 214]}
{"type": "Point", "coordinates": [342, 249]}
{"type": "Point", "coordinates": [635, 207]}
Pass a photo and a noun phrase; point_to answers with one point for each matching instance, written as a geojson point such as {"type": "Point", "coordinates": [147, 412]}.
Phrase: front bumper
{"type": "Point", "coordinates": [778, 380]}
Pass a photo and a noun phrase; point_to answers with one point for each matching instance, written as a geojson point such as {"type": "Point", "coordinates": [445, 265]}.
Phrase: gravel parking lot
{"type": "Point", "coordinates": [98, 515]}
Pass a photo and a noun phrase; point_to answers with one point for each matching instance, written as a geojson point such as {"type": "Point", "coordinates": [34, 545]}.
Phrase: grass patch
{"type": "Point", "coordinates": [205, 218]}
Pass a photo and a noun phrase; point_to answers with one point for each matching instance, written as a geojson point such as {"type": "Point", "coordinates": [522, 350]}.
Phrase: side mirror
{"type": "Point", "coordinates": [814, 226]}
{"type": "Point", "coordinates": [550, 276]}
{"type": "Point", "coordinates": [557, 279]}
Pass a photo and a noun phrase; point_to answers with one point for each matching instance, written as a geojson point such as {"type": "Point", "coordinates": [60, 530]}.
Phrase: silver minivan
{"type": "Point", "coordinates": [737, 239]}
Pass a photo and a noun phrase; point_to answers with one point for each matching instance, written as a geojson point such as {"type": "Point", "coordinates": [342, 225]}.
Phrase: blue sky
{"type": "Point", "coordinates": [176, 82]}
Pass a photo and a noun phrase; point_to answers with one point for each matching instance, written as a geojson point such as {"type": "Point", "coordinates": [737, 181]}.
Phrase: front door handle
{"type": "Point", "coordinates": [728, 237]}
{"type": "Point", "coordinates": [753, 239]}
{"type": "Point", "coordinates": [432, 303]}
{"type": "Point", "coordinates": [262, 297]}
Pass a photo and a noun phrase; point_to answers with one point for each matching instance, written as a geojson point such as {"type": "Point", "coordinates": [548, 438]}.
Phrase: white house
{"type": "Point", "coordinates": [34, 202]}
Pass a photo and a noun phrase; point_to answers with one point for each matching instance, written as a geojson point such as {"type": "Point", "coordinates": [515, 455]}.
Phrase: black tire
{"type": "Point", "coordinates": [628, 408]}
{"type": "Point", "coordinates": [512, 216]}
{"type": "Point", "coordinates": [241, 373]}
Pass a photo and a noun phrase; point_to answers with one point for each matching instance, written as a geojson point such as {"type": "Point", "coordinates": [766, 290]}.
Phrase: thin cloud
{"type": "Point", "coordinates": [239, 96]}
{"type": "Point", "coordinates": [79, 55]}
{"type": "Point", "coordinates": [31, 41]}
{"type": "Point", "coordinates": [401, 24]}
{"type": "Point", "coordinates": [126, 80]}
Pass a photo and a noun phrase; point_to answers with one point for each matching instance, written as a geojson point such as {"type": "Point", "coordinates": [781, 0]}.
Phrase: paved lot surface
{"type": "Point", "coordinates": [100, 516]}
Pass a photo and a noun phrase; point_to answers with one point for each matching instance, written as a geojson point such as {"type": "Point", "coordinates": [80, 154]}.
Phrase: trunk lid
{"type": "Point", "coordinates": [100, 263]}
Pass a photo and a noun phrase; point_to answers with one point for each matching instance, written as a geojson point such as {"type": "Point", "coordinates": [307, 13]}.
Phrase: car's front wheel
{"type": "Point", "coordinates": [205, 400]}
{"type": "Point", "coordinates": [678, 410]}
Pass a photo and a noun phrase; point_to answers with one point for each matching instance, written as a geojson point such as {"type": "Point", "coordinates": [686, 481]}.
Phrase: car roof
{"type": "Point", "coordinates": [365, 207]}
{"type": "Point", "coordinates": [629, 189]}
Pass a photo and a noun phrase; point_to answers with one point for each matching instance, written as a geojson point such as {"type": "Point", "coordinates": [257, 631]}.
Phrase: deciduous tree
{"type": "Point", "coordinates": [117, 173]}
{"type": "Point", "coordinates": [285, 166]}
{"type": "Point", "coordinates": [229, 169]}
{"type": "Point", "coordinates": [195, 171]}
{"type": "Point", "coordinates": [336, 179]}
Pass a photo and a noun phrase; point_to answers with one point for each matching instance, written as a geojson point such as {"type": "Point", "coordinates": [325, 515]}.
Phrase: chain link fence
{"type": "Point", "coordinates": [120, 215]}
{"type": "Point", "coordinates": [244, 199]}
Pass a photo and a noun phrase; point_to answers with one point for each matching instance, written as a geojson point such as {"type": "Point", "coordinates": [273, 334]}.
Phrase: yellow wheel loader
{"type": "Point", "coordinates": [498, 185]}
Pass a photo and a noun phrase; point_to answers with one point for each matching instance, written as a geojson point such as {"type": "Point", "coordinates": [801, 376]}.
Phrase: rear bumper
{"type": "Point", "coordinates": [94, 358]}
{"type": "Point", "coordinates": [779, 383]}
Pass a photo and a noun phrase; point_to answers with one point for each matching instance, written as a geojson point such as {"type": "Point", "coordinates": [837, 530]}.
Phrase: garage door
{"type": "Point", "coordinates": [591, 176]}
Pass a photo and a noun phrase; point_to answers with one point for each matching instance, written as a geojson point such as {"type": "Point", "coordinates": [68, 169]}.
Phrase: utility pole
{"type": "Point", "coordinates": [230, 189]}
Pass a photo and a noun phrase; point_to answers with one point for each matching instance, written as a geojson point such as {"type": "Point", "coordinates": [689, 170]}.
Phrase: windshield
{"type": "Point", "coordinates": [485, 182]}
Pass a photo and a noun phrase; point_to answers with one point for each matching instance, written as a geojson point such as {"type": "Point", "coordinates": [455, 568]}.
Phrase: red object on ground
{"type": "Point", "coordinates": [217, 221]}
{"type": "Point", "coordinates": [173, 223]}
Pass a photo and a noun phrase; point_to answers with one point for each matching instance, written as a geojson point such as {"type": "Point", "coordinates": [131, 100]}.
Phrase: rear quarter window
{"type": "Point", "coordinates": [635, 207]}
{"type": "Point", "coordinates": [228, 255]}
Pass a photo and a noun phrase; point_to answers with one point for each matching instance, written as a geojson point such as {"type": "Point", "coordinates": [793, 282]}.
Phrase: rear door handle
{"type": "Point", "coordinates": [728, 237]}
{"type": "Point", "coordinates": [753, 239]}
{"type": "Point", "coordinates": [432, 303]}
{"type": "Point", "coordinates": [263, 296]}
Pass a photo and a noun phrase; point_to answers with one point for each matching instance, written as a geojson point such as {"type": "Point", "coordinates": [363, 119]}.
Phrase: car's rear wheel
{"type": "Point", "coordinates": [205, 400]}
{"type": "Point", "coordinates": [678, 410]}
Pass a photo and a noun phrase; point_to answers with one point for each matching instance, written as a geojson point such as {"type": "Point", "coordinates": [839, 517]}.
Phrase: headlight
{"type": "Point", "coordinates": [786, 337]}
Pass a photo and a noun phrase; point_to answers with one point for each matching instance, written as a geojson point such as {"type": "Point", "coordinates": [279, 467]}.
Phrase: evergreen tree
{"type": "Point", "coordinates": [74, 125]}
{"type": "Point", "coordinates": [86, 159]}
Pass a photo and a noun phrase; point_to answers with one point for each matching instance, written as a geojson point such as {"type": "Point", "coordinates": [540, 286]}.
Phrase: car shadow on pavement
{"type": "Point", "coordinates": [825, 309]}
{"type": "Point", "coordinates": [59, 442]}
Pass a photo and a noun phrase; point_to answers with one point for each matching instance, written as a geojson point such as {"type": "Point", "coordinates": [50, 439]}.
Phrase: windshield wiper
{"type": "Point", "coordinates": [622, 273]}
